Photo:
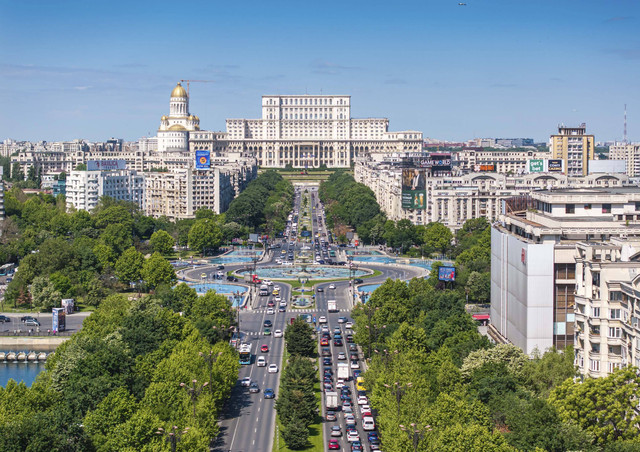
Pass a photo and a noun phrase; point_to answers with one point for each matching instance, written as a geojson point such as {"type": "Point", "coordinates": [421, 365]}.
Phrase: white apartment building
{"type": "Point", "coordinates": [607, 306]}
{"type": "Point", "coordinates": [535, 248]}
{"type": "Point", "coordinates": [85, 188]}
{"type": "Point", "coordinates": [510, 162]}
{"type": "Point", "coordinates": [630, 153]}
{"type": "Point", "coordinates": [451, 200]}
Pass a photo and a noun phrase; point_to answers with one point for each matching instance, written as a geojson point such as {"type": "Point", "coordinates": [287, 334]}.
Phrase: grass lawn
{"type": "Point", "coordinates": [315, 442]}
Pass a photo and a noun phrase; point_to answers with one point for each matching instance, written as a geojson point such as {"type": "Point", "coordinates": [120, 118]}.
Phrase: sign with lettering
{"type": "Point", "coordinates": [106, 165]}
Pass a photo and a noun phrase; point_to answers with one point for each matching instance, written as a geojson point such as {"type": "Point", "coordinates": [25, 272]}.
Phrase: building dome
{"type": "Point", "coordinates": [177, 127]}
{"type": "Point", "coordinates": [179, 91]}
{"type": "Point", "coordinates": [164, 118]}
{"type": "Point", "coordinates": [190, 118]}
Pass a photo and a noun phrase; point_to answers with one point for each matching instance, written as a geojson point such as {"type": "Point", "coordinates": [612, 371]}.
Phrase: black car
{"type": "Point", "coordinates": [319, 289]}
{"type": "Point", "coordinates": [358, 281]}
{"type": "Point", "coordinates": [26, 317]}
{"type": "Point", "coordinates": [326, 361]}
{"type": "Point", "coordinates": [4, 318]}
{"type": "Point", "coordinates": [267, 323]}
{"type": "Point", "coordinates": [337, 342]}
{"type": "Point", "coordinates": [232, 278]}
{"type": "Point", "coordinates": [220, 267]}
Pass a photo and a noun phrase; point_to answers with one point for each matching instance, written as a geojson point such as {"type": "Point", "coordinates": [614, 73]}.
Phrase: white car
{"type": "Point", "coordinates": [262, 362]}
{"type": "Point", "coordinates": [349, 325]}
{"type": "Point", "coordinates": [332, 286]}
{"type": "Point", "coordinates": [277, 288]}
{"type": "Point", "coordinates": [270, 311]}
{"type": "Point", "coordinates": [355, 365]}
{"type": "Point", "coordinates": [277, 299]}
{"type": "Point", "coordinates": [283, 304]}
{"type": "Point", "coordinates": [277, 333]}
{"type": "Point", "coordinates": [340, 383]}
{"type": "Point", "coordinates": [322, 319]}
{"type": "Point", "coordinates": [352, 436]}
{"type": "Point", "coordinates": [268, 282]}
{"type": "Point", "coordinates": [273, 368]}
{"type": "Point", "coordinates": [350, 418]}
{"type": "Point", "coordinates": [245, 382]}
{"type": "Point", "coordinates": [362, 400]}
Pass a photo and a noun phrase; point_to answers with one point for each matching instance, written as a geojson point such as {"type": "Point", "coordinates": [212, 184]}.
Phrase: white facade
{"type": "Point", "coordinates": [504, 162]}
{"type": "Point", "coordinates": [630, 153]}
{"type": "Point", "coordinates": [85, 188]}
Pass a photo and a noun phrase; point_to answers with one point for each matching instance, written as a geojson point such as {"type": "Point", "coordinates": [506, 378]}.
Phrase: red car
{"type": "Point", "coordinates": [324, 342]}
{"type": "Point", "coordinates": [334, 444]}
{"type": "Point", "coordinates": [264, 348]}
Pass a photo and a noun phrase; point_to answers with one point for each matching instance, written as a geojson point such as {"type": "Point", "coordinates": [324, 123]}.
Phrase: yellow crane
{"type": "Point", "coordinates": [195, 81]}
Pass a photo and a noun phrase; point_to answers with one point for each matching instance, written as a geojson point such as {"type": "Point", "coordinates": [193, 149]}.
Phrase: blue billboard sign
{"type": "Point", "coordinates": [203, 160]}
{"type": "Point", "coordinates": [447, 273]}
{"type": "Point", "coordinates": [58, 321]}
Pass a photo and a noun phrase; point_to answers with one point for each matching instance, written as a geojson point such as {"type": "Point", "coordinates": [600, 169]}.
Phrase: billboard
{"type": "Point", "coordinates": [203, 160]}
{"type": "Point", "coordinates": [555, 166]}
{"type": "Point", "coordinates": [58, 320]}
{"type": "Point", "coordinates": [487, 167]}
{"type": "Point", "coordinates": [446, 273]}
{"type": "Point", "coordinates": [413, 189]}
{"type": "Point", "coordinates": [106, 165]}
{"type": "Point", "coordinates": [536, 166]}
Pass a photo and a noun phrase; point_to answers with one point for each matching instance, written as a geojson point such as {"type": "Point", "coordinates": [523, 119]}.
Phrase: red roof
{"type": "Point", "coordinates": [480, 316]}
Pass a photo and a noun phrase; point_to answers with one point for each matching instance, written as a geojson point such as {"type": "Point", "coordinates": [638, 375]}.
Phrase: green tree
{"type": "Point", "coordinates": [157, 270]}
{"type": "Point", "coordinates": [437, 237]}
{"type": "Point", "coordinates": [478, 287]}
{"type": "Point", "coordinates": [299, 338]}
{"type": "Point", "coordinates": [162, 242]}
{"type": "Point", "coordinates": [295, 435]}
{"type": "Point", "coordinates": [115, 409]}
{"type": "Point", "coordinates": [129, 266]}
{"type": "Point", "coordinates": [205, 234]}
{"type": "Point", "coordinates": [45, 296]}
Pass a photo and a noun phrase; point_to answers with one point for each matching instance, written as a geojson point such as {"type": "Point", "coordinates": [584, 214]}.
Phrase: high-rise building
{"type": "Point", "coordinates": [85, 188]}
{"type": "Point", "coordinates": [630, 153]}
{"type": "Point", "coordinates": [574, 147]}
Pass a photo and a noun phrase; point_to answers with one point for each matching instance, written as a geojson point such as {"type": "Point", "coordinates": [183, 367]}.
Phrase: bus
{"type": "Point", "coordinates": [264, 290]}
{"type": "Point", "coordinates": [245, 353]}
{"type": "Point", "coordinates": [7, 269]}
{"type": "Point", "coordinates": [360, 384]}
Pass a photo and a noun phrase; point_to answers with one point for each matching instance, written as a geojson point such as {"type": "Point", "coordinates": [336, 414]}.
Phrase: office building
{"type": "Point", "coordinates": [629, 153]}
{"type": "Point", "coordinates": [574, 147]}
{"type": "Point", "coordinates": [510, 162]}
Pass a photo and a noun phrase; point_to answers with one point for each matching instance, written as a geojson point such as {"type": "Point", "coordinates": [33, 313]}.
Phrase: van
{"type": "Point", "coordinates": [368, 423]}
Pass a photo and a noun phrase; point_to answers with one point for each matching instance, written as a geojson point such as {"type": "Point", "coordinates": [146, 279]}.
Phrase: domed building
{"type": "Point", "coordinates": [173, 133]}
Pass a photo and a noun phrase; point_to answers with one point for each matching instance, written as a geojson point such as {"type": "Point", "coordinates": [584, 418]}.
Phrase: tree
{"type": "Point", "coordinates": [117, 236]}
{"type": "Point", "coordinates": [478, 287]}
{"type": "Point", "coordinates": [45, 295]}
{"type": "Point", "coordinates": [299, 338]}
{"type": "Point", "coordinates": [157, 270]}
{"type": "Point", "coordinates": [129, 266]}
{"type": "Point", "coordinates": [205, 234]}
{"type": "Point", "coordinates": [605, 407]}
{"type": "Point", "coordinates": [295, 435]}
{"type": "Point", "coordinates": [437, 237]}
{"type": "Point", "coordinates": [113, 410]}
{"type": "Point", "coordinates": [162, 242]}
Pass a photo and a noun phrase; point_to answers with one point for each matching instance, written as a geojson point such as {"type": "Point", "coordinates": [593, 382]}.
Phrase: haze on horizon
{"type": "Point", "coordinates": [493, 68]}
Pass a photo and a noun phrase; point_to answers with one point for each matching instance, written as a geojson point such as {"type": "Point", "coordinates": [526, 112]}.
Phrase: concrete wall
{"type": "Point", "coordinates": [522, 290]}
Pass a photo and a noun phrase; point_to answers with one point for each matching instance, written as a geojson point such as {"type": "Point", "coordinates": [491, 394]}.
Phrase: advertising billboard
{"type": "Point", "coordinates": [536, 166]}
{"type": "Point", "coordinates": [413, 189]}
{"type": "Point", "coordinates": [58, 320]}
{"type": "Point", "coordinates": [446, 273]}
{"type": "Point", "coordinates": [555, 166]}
{"type": "Point", "coordinates": [106, 165]}
{"type": "Point", "coordinates": [203, 160]}
{"type": "Point", "coordinates": [487, 167]}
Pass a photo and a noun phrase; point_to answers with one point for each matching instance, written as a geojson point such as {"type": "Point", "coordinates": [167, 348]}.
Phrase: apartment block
{"type": "Point", "coordinates": [574, 147]}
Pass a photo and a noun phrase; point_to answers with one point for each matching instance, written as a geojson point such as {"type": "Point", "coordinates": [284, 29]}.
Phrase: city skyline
{"type": "Point", "coordinates": [487, 69]}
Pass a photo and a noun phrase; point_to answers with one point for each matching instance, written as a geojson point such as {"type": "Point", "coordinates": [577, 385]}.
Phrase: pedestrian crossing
{"type": "Point", "coordinates": [298, 311]}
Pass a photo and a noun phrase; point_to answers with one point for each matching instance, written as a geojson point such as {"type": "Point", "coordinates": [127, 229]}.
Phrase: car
{"type": "Point", "coordinates": [220, 267]}
{"type": "Point", "coordinates": [267, 332]}
{"type": "Point", "coordinates": [353, 357]}
{"type": "Point", "coordinates": [331, 415]}
{"type": "Point", "coordinates": [253, 388]}
{"type": "Point", "coordinates": [344, 397]}
{"type": "Point", "coordinates": [270, 311]}
{"type": "Point", "coordinates": [245, 382]}
{"type": "Point", "coordinates": [349, 338]}
{"type": "Point", "coordinates": [347, 407]}
{"type": "Point", "coordinates": [349, 325]}
{"type": "Point", "coordinates": [277, 333]}
{"type": "Point", "coordinates": [349, 418]}
{"type": "Point", "coordinates": [372, 435]}
{"type": "Point", "coordinates": [326, 361]}
{"type": "Point", "coordinates": [26, 317]}
{"type": "Point", "coordinates": [336, 430]}
{"type": "Point", "coordinates": [269, 394]}
{"type": "Point", "coordinates": [268, 323]}
{"type": "Point", "coordinates": [32, 322]}
{"type": "Point", "coordinates": [273, 368]}
{"type": "Point", "coordinates": [282, 308]}
{"type": "Point", "coordinates": [343, 320]}
{"type": "Point", "coordinates": [332, 286]}
{"type": "Point", "coordinates": [327, 386]}
{"type": "Point", "coordinates": [355, 365]}
{"type": "Point", "coordinates": [340, 383]}
{"type": "Point", "coordinates": [352, 435]}
{"type": "Point", "coordinates": [342, 356]}
{"type": "Point", "coordinates": [346, 390]}
{"type": "Point", "coordinates": [356, 446]}
{"type": "Point", "coordinates": [324, 341]}
{"type": "Point", "coordinates": [4, 318]}
{"type": "Point", "coordinates": [261, 361]}
{"type": "Point", "coordinates": [363, 400]}
{"type": "Point", "coordinates": [232, 278]}
{"type": "Point", "coordinates": [277, 299]}
{"type": "Point", "coordinates": [375, 444]}
{"type": "Point", "coordinates": [334, 444]}
{"type": "Point", "coordinates": [337, 342]}
{"type": "Point", "coordinates": [322, 319]}
{"type": "Point", "coordinates": [319, 290]}
{"type": "Point", "coordinates": [270, 304]}
{"type": "Point", "coordinates": [268, 282]}
{"type": "Point", "coordinates": [365, 410]}
{"type": "Point", "coordinates": [264, 348]}
{"type": "Point", "coordinates": [352, 347]}
{"type": "Point", "coordinates": [326, 351]}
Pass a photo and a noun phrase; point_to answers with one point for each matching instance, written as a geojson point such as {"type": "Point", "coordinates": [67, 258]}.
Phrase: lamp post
{"type": "Point", "coordinates": [173, 436]}
{"type": "Point", "coordinates": [399, 391]}
{"type": "Point", "coordinates": [194, 392]}
{"type": "Point", "coordinates": [210, 359]}
{"type": "Point", "coordinates": [415, 434]}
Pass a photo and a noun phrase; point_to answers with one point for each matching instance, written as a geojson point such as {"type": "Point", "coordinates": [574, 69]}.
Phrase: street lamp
{"type": "Point", "coordinates": [194, 392]}
{"type": "Point", "coordinates": [210, 359]}
{"type": "Point", "coordinates": [173, 436]}
{"type": "Point", "coordinates": [399, 390]}
{"type": "Point", "coordinates": [415, 434]}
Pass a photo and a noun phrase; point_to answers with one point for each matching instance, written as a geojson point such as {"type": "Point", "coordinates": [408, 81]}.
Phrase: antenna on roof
{"type": "Point", "coordinates": [624, 138]}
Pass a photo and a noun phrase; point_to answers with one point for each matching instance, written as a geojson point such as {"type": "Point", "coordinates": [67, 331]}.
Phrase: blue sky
{"type": "Point", "coordinates": [492, 68]}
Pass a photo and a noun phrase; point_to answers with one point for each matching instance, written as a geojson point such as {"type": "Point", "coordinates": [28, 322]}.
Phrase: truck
{"type": "Point", "coordinates": [343, 371]}
{"type": "Point", "coordinates": [332, 306]}
{"type": "Point", "coordinates": [331, 400]}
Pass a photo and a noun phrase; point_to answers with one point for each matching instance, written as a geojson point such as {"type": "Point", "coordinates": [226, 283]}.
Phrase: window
{"type": "Point", "coordinates": [594, 365]}
{"type": "Point", "coordinates": [614, 314]}
{"type": "Point", "coordinates": [615, 295]}
{"type": "Point", "coordinates": [606, 208]}
{"type": "Point", "coordinates": [595, 312]}
{"type": "Point", "coordinates": [637, 206]}
{"type": "Point", "coordinates": [615, 332]}
{"type": "Point", "coordinates": [570, 208]}
{"type": "Point", "coordinates": [587, 207]}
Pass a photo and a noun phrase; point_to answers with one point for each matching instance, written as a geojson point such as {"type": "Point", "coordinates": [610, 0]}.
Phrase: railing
{"type": "Point", "coordinates": [23, 333]}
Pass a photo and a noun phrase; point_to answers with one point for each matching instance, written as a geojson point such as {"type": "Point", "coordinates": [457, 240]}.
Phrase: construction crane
{"type": "Point", "coordinates": [194, 81]}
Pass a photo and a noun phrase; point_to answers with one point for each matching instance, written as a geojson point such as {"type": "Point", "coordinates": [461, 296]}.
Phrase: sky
{"type": "Point", "coordinates": [490, 68]}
